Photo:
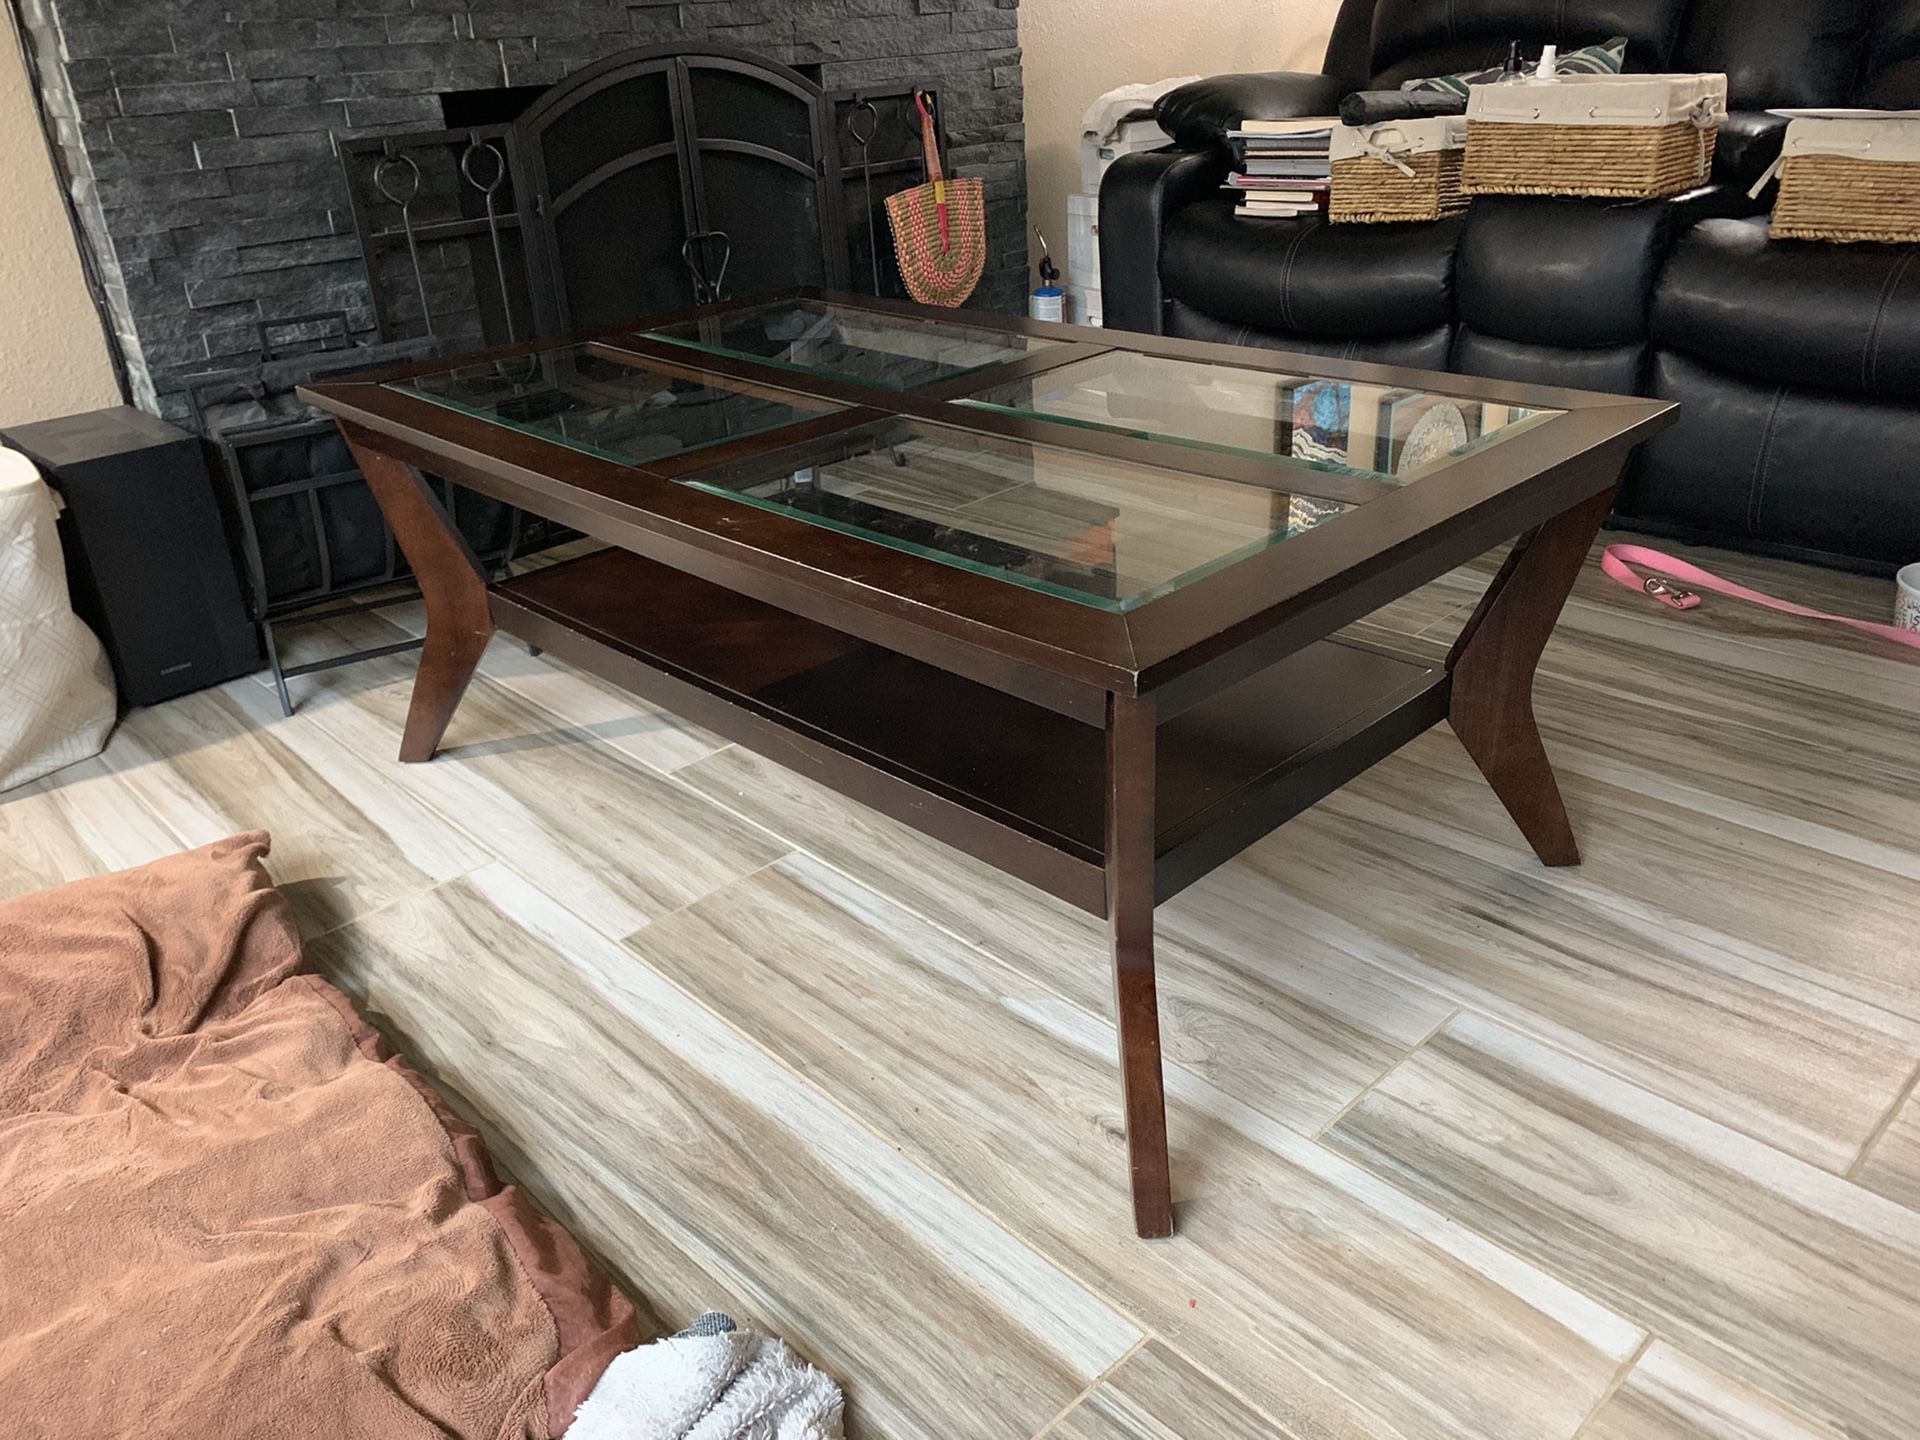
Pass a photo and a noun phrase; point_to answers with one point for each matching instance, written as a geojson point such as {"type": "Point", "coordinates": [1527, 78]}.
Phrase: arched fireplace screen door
{"type": "Point", "coordinates": [666, 177]}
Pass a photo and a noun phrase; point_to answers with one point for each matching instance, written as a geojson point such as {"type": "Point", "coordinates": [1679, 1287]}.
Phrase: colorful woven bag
{"type": "Point", "coordinates": [939, 229]}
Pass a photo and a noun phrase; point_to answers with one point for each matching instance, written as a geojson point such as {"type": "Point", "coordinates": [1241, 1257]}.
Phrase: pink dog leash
{"type": "Point", "coordinates": [1618, 562]}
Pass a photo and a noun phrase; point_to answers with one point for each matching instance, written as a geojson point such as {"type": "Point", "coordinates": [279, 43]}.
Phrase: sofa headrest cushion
{"type": "Point", "coordinates": [1418, 37]}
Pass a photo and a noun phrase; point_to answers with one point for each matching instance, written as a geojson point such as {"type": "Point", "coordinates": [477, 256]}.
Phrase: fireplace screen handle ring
{"type": "Point", "coordinates": [396, 161]}
{"type": "Point", "coordinates": [694, 253]}
{"type": "Point", "coordinates": [475, 148]}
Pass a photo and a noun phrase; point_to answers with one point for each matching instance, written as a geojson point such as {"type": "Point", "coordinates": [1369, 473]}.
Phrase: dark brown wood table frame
{"type": "Point", "coordinates": [1110, 758]}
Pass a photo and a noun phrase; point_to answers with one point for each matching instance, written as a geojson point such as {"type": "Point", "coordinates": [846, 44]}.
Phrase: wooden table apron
{"type": "Point", "coordinates": [1117, 862]}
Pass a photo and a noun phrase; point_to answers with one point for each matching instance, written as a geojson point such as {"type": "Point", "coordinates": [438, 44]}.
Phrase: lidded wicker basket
{"type": "Point", "coordinates": [1397, 170]}
{"type": "Point", "coordinates": [1634, 137]}
{"type": "Point", "coordinates": [1849, 177]}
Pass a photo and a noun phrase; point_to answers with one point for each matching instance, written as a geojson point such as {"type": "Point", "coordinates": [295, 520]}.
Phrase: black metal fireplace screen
{"type": "Point", "coordinates": [654, 180]}
{"type": "Point", "coordinates": [658, 179]}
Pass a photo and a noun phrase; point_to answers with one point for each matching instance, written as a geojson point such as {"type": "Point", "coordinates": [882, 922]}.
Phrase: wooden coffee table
{"type": "Point", "coordinates": [1057, 597]}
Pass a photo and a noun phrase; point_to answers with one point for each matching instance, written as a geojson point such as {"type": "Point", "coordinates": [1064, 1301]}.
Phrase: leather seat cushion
{"type": "Point", "coordinates": [1308, 277]}
{"type": "Point", "coordinates": [1831, 317]}
{"type": "Point", "coordinates": [1560, 272]}
{"type": "Point", "coordinates": [1420, 350]}
{"type": "Point", "coordinates": [1810, 472]}
{"type": "Point", "coordinates": [1614, 369]}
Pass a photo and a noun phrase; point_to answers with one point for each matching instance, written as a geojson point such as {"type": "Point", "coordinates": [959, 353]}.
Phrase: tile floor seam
{"type": "Point", "coordinates": [184, 841]}
{"type": "Point", "coordinates": [1757, 956]}
{"type": "Point", "coordinates": [1440, 620]}
{"type": "Point", "coordinates": [1519, 1026]}
{"type": "Point", "coordinates": [1627, 776]}
{"type": "Point", "coordinates": [1546, 1264]}
{"type": "Point", "coordinates": [1883, 1125]}
{"type": "Point", "coordinates": [133, 793]}
{"type": "Point", "coordinates": [512, 695]}
{"type": "Point", "coordinates": [1381, 1078]}
{"type": "Point", "coordinates": [1098, 1380]}
{"type": "Point", "coordinates": [579, 737]}
{"type": "Point", "coordinates": [1614, 1386]}
{"type": "Point", "coordinates": [307, 939]}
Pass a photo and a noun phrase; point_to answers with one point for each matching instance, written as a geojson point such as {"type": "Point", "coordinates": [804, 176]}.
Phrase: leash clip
{"type": "Point", "coordinates": [1668, 593]}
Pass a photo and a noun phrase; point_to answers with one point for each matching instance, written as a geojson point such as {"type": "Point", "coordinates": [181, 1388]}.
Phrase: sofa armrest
{"type": "Point", "coordinates": [1203, 112]}
{"type": "Point", "coordinates": [1750, 141]}
{"type": "Point", "coordinates": [1138, 194]}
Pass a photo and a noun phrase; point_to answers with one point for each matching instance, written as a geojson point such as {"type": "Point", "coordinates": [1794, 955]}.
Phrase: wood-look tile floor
{"type": "Point", "coordinates": [1463, 1147]}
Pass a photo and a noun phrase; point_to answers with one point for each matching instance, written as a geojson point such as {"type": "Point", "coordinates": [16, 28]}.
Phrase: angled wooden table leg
{"type": "Point", "coordinates": [459, 622]}
{"type": "Point", "coordinates": [1132, 726]}
{"type": "Point", "coordinates": [1493, 664]}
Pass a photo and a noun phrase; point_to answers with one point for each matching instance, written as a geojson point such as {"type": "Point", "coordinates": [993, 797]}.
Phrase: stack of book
{"type": "Point", "coordinates": [1283, 165]}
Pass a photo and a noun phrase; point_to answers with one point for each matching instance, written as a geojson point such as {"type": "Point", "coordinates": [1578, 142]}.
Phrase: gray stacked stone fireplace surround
{"type": "Point", "coordinates": [199, 138]}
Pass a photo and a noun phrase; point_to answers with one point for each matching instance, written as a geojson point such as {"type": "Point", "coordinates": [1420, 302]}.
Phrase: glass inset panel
{"type": "Point", "coordinates": [1107, 533]}
{"type": "Point", "coordinates": [1374, 430]}
{"type": "Point", "coordinates": [891, 351]}
{"type": "Point", "coordinates": [619, 409]}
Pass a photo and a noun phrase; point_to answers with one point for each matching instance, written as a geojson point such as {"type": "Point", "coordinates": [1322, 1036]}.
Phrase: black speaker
{"type": "Point", "coordinates": [147, 554]}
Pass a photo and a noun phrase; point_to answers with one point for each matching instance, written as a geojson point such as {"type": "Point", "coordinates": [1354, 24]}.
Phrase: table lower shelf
{"type": "Point", "coordinates": [1019, 786]}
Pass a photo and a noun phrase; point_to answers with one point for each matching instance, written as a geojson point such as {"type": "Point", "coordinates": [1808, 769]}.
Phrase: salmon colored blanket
{"type": "Point", "coordinates": [226, 1211]}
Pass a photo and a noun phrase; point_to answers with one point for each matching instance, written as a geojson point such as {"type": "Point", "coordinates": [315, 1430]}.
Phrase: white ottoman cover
{"type": "Point", "coordinates": [56, 690]}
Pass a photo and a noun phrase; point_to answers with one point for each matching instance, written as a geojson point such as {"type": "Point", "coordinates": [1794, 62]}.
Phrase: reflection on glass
{"type": "Point", "coordinates": [1374, 430]}
{"type": "Point", "coordinates": [868, 348]}
{"type": "Point", "coordinates": [1107, 533]}
{"type": "Point", "coordinates": [620, 409]}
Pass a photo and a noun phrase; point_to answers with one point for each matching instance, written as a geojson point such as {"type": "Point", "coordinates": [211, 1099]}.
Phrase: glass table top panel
{"type": "Point", "coordinates": [617, 408]}
{"type": "Point", "coordinates": [893, 352]}
{"type": "Point", "coordinates": [1103, 532]}
{"type": "Point", "coordinates": [1379, 431]}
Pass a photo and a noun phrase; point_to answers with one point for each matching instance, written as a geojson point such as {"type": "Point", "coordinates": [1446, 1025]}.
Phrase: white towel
{"type": "Point", "coordinates": [711, 1382]}
{"type": "Point", "coordinates": [1106, 115]}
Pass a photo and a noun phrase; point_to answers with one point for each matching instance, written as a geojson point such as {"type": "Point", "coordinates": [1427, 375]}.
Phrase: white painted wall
{"type": "Point", "coordinates": [53, 356]}
{"type": "Point", "coordinates": [1076, 50]}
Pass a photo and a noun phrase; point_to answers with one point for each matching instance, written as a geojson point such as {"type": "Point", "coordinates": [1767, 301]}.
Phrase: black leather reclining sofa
{"type": "Point", "coordinates": [1797, 364]}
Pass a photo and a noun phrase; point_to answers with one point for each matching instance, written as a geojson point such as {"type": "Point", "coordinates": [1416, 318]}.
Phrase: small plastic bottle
{"type": "Point", "coordinates": [1049, 302]}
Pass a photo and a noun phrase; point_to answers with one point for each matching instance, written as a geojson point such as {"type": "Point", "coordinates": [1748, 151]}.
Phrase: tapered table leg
{"type": "Point", "coordinates": [1493, 665]}
{"type": "Point", "coordinates": [459, 624]}
{"type": "Point", "coordinates": [1131, 737]}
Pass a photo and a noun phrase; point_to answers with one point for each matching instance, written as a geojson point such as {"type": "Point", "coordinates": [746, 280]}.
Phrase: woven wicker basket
{"type": "Point", "coordinates": [1369, 191]}
{"type": "Point", "coordinates": [1838, 197]}
{"type": "Point", "coordinates": [1632, 162]}
{"type": "Point", "coordinates": [1627, 137]}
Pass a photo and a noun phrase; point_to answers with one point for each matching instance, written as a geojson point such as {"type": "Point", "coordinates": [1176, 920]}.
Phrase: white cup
{"type": "Point", "coordinates": [1906, 604]}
